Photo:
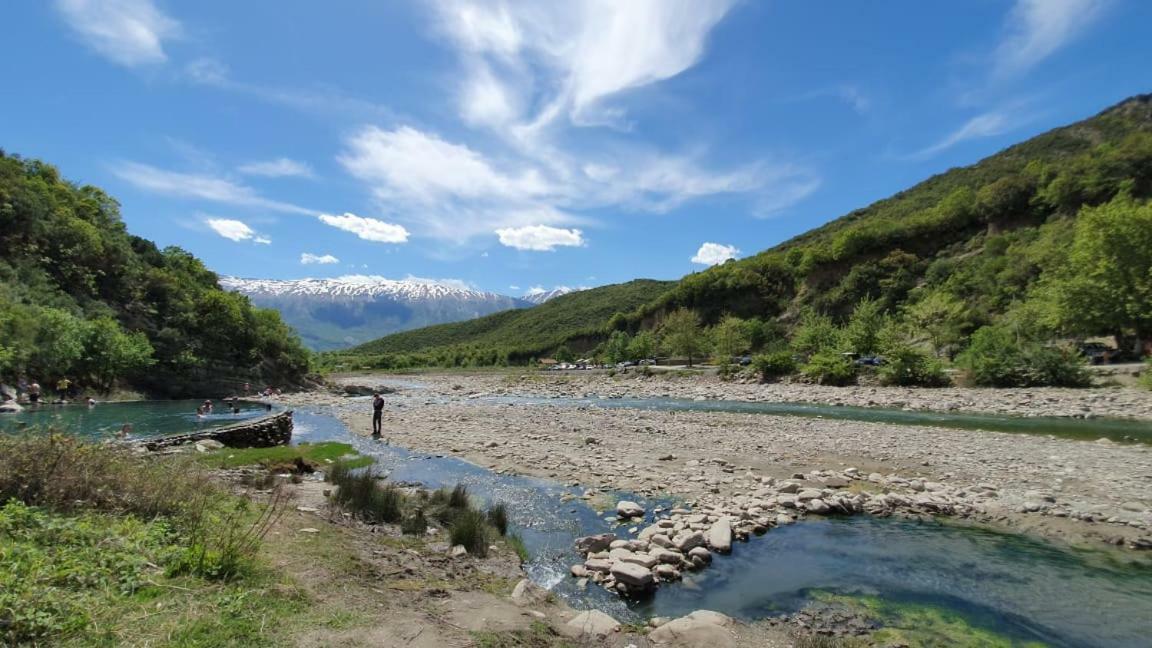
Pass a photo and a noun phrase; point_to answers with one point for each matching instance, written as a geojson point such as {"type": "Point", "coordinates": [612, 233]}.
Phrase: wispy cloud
{"type": "Point", "coordinates": [988, 124]}
{"type": "Point", "coordinates": [199, 186]}
{"type": "Point", "coordinates": [711, 254]}
{"type": "Point", "coordinates": [235, 230]}
{"type": "Point", "coordinates": [540, 238]}
{"type": "Point", "coordinates": [127, 32]}
{"type": "Point", "coordinates": [308, 258]}
{"type": "Point", "coordinates": [278, 168]}
{"type": "Point", "coordinates": [1035, 29]}
{"type": "Point", "coordinates": [369, 229]}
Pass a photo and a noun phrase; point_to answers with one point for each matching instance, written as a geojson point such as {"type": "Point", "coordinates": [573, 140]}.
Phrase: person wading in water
{"type": "Point", "coordinates": [377, 413]}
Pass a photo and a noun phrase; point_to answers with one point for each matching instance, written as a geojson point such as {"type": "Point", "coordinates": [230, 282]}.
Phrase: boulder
{"type": "Point", "coordinates": [636, 577]}
{"type": "Point", "coordinates": [646, 561]}
{"type": "Point", "coordinates": [720, 535]}
{"type": "Point", "coordinates": [526, 593]}
{"type": "Point", "coordinates": [626, 509]}
{"type": "Point", "coordinates": [598, 565]}
{"type": "Point", "coordinates": [592, 623]}
{"type": "Point", "coordinates": [701, 629]}
{"type": "Point", "coordinates": [688, 541]}
{"type": "Point", "coordinates": [458, 551]}
{"type": "Point", "coordinates": [701, 553]}
{"type": "Point", "coordinates": [666, 555]}
{"type": "Point", "coordinates": [10, 407]}
{"type": "Point", "coordinates": [817, 506]}
{"type": "Point", "coordinates": [595, 543]}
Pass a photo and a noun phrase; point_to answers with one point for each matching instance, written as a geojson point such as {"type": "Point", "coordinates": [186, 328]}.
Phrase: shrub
{"type": "Point", "coordinates": [415, 523]}
{"type": "Point", "coordinates": [996, 357]}
{"type": "Point", "coordinates": [458, 499]}
{"type": "Point", "coordinates": [358, 493]}
{"type": "Point", "coordinates": [775, 365]}
{"type": "Point", "coordinates": [222, 540]}
{"type": "Point", "coordinates": [906, 366]}
{"type": "Point", "coordinates": [498, 517]}
{"type": "Point", "coordinates": [829, 369]}
{"type": "Point", "coordinates": [470, 528]}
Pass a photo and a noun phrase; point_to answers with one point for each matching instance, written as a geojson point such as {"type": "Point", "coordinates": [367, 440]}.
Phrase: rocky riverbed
{"type": "Point", "coordinates": [1081, 491]}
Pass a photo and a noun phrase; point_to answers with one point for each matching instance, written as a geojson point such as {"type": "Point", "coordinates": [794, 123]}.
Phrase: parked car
{"type": "Point", "coordinates": [870, 361]}
{"type": "Point", "coordinates": [743, 361]}
{"type": "Point", "coordinates": [1098, 352]}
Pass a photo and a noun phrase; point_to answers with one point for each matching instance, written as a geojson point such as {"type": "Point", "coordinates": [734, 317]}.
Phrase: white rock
{"type": "Point", "coordinates": [701, 629]}
{"type": "Point", "coordinates": [592, 623]}
{"type": "Point", "coordinates": [627, 509]}
{"type": "Point", "coordinates": [636, 577]}
{"type": "Point", "coordinates": [720, 535]}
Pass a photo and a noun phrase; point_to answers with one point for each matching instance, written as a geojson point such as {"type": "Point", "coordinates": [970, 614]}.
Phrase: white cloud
{"type": "Point", "coordinates": [128, 32]}
{"type": "Point", "coordinates": [711, 254]}
{"type": "Point", "coordinates": [987, 124]}
{"type": "Point", "coordinates": [540, 238]}
{"type": "Point", "coordinates": [368, 229]}
{"type": "Point", "coordinates": [278, 168]}
{"type": "Point", "coordinates": [591, 49]}
{"type": "Point", "coordinates": [308, 258]}
{"type": "Point", "coordinates": [200, 186]}
{"type": "Point", "coordinates": [513, 287]}
{"type": "Point", "coordinates": [1038, 28]}
{"type": "Point", "coordinates": [235, 230]}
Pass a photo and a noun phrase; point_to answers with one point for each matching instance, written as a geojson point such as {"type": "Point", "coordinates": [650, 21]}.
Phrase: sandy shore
{"type": "Point", "coordinates": [1076, 490]}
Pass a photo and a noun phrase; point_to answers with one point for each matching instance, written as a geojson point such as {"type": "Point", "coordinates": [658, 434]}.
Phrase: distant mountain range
{"type": "Point", "coordinates": [345, 311]}
{"type": "Point", "coordinates": [541, 296]}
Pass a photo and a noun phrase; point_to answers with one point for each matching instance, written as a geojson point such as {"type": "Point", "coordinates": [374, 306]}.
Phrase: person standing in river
{"type": "Point", "coordinates": [377, 413]}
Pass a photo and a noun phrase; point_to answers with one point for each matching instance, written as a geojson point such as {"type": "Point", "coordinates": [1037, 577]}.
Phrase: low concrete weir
{"type": "Point", "coordinates": [261, 433]}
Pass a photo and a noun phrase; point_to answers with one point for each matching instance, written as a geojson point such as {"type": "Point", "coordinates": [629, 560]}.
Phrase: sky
{"type": "Point", "coordinates": [516, 145]}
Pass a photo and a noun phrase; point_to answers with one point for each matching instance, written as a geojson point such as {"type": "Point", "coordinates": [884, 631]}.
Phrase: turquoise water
{"type": "Point", "coordinates": [148, 418]}
{"type": "Point", "coordinates": [1023, 588]}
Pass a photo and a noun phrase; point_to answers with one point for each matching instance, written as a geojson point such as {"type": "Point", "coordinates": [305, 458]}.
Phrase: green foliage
{"type": "Point", "coordinates": [862, 334]}
{"type": "Point", "coordinates": [1107, 283]}
{"type": "Point", "coordinates": [80, 297]}
{"type": "Point", "coordinates": [470, 528]}
{"type": "Point", "coordinates": [642, 346]}
{"type": "Point", "coordinates": [731, 337]}
{"type": "Point", "coordinates": [999, 357]}
{"type": "Point", "coordinates": [310, 453]}
{"type": "Point", "coordinates": [940, 316]}
{"type": "Point", "coordinates": [517, 543]}
{"type": "Point", "coordinates": [458, 498]}
{"type": "Point", "coordinates": [774, 365]}
{"type": "Point", "coordinates": [681, 335]}
{"type": "Point", "coordinates": [829, 368]}
{"type": "Point", "coordinates": [498, 518]}
{"type": "Point", "coordinates": [910, 367]}
{"type": "Point", "coordinates": [816, 334]}
{"type": "Point", "coordinates": [415, 523]}
{"type": "Point", "coordinates": [359, 493]}
{"type": "Point", "coordinates": [616, 348]}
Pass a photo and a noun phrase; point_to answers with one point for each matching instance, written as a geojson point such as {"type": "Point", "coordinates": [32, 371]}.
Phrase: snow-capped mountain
{"type": "Point", "coordinates": [540, 296]}
{"type": "Point", "coordinates": [350, 310]}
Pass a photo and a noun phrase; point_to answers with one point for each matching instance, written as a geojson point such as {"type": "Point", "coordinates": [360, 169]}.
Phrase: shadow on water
{"type": "Point", "coordinates": [1014, 585]}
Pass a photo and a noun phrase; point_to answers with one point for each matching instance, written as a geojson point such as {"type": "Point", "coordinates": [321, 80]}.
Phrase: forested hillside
{"type": "Point", "coordinates": [515, 336]}
{"type": "Point", "coordinates": [1050, 238]}
{"type": "Point", "coordinates": [82, 298]}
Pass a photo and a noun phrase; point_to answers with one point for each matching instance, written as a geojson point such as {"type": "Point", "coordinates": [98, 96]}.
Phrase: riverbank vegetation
{"type": "Point", "coordinates": [1047, 243]}
{"type": "Point", "coordinates": [83, 299]}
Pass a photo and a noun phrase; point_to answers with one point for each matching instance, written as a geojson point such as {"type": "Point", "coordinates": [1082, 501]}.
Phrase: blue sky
{"type": "Point", "coordinates": [509, 145]}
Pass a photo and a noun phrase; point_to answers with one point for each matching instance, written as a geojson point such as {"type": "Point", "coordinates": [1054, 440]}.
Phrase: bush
{"type": "Point", "coordinates": [358, 493]}
{"type": "Point", "coordinates": [470, 528]}
{"type": "Point", "coordinates": [997, 358]}
{"type": "Point", "coordinates": [775, 365]}
{"type": "Point", "coordinates": [829, 369]}
{"type": "Point", "coordinates": [415, 523]}
{"type": "Point", "coordinates": [458, 499]}
{"type": "Point", "coordinates": [909, 367]}
{"type": "Point", "coordinates": [498, 517]}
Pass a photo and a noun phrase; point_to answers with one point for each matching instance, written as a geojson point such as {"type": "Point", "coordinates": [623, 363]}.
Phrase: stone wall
{"type": "Point", "coordinates": [261, 433]}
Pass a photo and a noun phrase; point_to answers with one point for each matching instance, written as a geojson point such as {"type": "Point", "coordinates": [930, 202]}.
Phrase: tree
{"type": "Point", "coordinates": [940, 316]}
{"type": "Point", "coordinates": [862, 335]}
{"type": "Point", "coordinates": [564, 354]}
{"type": "Point", "coordinates": [681, 334]}
{"type": "Point", "coordinates": [814, 334]}
{"type": "Point", "coordinates": [110, 353]}
{"type": "Point", "coordinates": [731, 337]}
{"type": "Point", "coordinates": [1107, 285]}
{"type": "Point", "coordinates": [616, 348]}
{"type": "Point", "coordinates": [643, 345]}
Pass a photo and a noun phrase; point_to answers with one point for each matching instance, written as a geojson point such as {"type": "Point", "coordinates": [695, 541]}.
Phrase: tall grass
{"type": "Point", "coordinates": [470, 528]}
{"type": "Point", "coordinates": [359, 493]}
{"type": "Point", "coordinates": [498, 517]}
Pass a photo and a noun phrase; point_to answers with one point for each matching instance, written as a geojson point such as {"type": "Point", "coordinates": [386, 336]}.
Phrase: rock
{"type": "Point", "coordinates": [592, 544]}
{"type": "Point", "coordinates": [1135, 507]}
{"type": "Point", "coordinates": [701, 553]}
{"type": "Point", "coordinates": [7, 393]}
{"type": "Point", "coordinates": [309, 530]}
{"type": "Point", "coordinates": [458, 551]}
{"type": "Point", "coordinates": [818, 506]}
{"type": "Point", "coordinates": [204, 445]}
{"type": "Point", "coordinates": [636, 577]}
{"type": "Point", "coordinates": [720, 535]}
{"type": "Point", "coordinates": [701, 629]}
{"type": "Point", "coordinates": [835, 482]}
{"type": "Point", "coordinates": [646, 561]}
{"type": "Point", "coordinates": [10, 407]}
{"type": "Point", "coordinates": [687, 541]}
{"type": "Point", "coordinates": [598, 565]}
{"type": "Point", "coordinates": [579, 571]}
{"type": "Point", "coordinates": [526, 593]}
{"type": "Point", "coordinates": [626, 509]}
{"type": "Point", "coordinates": [592, 623]}
{"type": "Point", "coordinates": [808, 494]}
{"type": "Point", "coordinates": [667, 572]}
{"type": "Point", "coordinates": [666, 556]}
{"type": "Point", "coordinates": [788, 487]}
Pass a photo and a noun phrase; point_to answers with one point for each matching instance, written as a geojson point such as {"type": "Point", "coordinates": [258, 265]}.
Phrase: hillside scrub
{"type": "Point", "coordinates": [82, 298]}
{"type": "Point", "coordinates": [999, 357]}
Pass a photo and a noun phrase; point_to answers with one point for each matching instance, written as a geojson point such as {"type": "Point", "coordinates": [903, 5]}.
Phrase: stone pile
{"type": "Point", "coordinates": [683, 539]}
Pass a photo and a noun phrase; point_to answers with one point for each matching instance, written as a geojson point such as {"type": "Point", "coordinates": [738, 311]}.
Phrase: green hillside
{"type": "Point", "coordinates": [82, 298]}
{"type": "Point", "coordinates": [981, 245]}
{"type": "Point", "coordinates": [575, 318]}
